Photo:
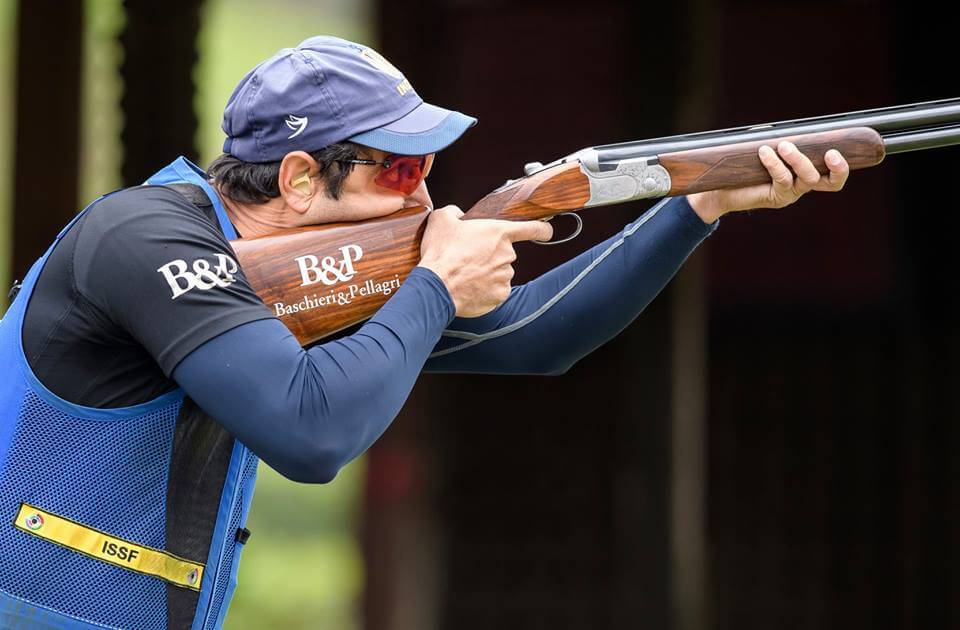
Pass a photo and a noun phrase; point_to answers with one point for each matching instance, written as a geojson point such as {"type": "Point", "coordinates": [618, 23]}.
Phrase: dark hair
{"type": "Point", "coordinates": [250, 182]}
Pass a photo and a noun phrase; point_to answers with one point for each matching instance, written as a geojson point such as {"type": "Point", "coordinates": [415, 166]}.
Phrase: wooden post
{"type": "Point", "coordinates": [47, 125]}
{"type": "Point", "coordinates": [159, 43]}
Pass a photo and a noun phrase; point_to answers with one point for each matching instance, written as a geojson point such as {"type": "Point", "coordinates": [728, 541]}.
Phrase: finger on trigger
{"type": "Point", "coordinates": [779, 173]}
{"type": "Point", "coordinates": [529, 231]}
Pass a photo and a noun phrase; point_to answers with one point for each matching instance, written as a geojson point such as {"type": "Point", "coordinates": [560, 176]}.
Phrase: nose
{"type": "Point", "coordinates": [419, 197]}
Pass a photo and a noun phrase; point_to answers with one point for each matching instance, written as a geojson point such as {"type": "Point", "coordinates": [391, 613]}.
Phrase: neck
{"type": "Point", "coordinates": [254, 219]}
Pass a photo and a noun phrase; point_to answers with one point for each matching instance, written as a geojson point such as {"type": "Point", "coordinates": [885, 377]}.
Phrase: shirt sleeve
{"type": "Point", "coordinates": [308, 412]}
{"type": "Point", "coordinates": [548, 324]}
{"type": "Point", "coordinates": [156, 266]}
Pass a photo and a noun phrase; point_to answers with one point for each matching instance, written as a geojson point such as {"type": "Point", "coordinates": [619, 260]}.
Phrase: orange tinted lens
{"type": "Point", "coordinates": [404, 173]}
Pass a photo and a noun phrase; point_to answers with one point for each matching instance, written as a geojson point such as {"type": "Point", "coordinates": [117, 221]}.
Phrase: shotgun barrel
{"type": "Point", "coordinates": [910, 127]}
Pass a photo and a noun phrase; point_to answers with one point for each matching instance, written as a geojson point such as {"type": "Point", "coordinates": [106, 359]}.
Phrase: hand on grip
{"type": "Point", "coordinates": [474, 257]}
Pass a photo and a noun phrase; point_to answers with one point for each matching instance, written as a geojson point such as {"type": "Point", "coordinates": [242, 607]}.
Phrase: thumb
{"type": "Point", "coordinates": [528, 231]}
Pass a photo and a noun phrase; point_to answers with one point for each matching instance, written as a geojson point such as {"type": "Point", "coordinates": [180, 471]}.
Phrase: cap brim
{"type": "Point", "coordinates": [426, 129]}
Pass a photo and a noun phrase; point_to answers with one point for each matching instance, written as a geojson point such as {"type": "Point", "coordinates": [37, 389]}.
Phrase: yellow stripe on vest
{"type": "Point", "coordinates": [116, 551]}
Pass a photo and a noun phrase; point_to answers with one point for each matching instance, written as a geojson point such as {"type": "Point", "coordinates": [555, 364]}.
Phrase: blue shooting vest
{"type": "Point", "coordinates": [83, 496]}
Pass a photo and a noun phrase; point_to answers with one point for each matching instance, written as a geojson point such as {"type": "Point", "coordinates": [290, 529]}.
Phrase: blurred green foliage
{"type": "Point", "coordinates": [102, 120]}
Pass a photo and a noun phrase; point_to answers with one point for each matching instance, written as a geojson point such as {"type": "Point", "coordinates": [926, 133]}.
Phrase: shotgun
{"type": "Point", "coordinates": [322, 279]}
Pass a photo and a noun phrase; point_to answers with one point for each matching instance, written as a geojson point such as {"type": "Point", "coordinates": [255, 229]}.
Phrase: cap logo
{"type": "Point", "coordinates": [380, 62]}
{"type": "Point", "coordinates": [296, 124]}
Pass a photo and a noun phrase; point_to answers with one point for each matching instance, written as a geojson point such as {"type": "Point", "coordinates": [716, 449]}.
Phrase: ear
{"type": "Point", "coordinates": [297, 186]}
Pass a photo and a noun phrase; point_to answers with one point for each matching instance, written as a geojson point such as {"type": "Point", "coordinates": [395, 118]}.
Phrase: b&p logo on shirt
{"type": "Point", "coordinates": [202, 274]}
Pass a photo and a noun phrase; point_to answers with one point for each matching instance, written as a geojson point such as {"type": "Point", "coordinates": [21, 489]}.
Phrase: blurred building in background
{"type": "Point", "coordinates": [772, 444]}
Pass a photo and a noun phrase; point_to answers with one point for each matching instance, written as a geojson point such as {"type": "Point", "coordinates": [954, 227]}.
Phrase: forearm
{"type": "Point", "coordinates": [548, 324]}
{"type": "Point", "coordinates": [309, 412]}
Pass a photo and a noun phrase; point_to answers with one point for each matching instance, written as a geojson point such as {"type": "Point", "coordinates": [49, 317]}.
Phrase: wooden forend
{"type": "Point", "coordinates": [736, 165]}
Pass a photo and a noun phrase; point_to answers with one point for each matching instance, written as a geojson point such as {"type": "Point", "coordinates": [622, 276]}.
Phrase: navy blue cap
{"type": "Point", "coordinates": [327, 90]}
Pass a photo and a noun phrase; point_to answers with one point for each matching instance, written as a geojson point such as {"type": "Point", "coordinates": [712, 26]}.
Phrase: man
{"type": "Point", "coordinates": [143, 378]}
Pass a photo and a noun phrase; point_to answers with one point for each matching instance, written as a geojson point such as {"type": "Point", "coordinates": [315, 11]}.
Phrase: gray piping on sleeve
{"type": "Point", "coordinates": [475, 338]}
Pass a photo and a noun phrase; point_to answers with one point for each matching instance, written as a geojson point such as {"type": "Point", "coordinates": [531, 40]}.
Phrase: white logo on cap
{"type": "Point", "coordinates": [380, 62]}
{"type": "Point", "coordinates": [297, 124]}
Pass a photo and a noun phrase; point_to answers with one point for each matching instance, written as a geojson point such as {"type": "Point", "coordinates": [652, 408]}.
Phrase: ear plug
{"type": "Point", "coordinates": [302, 183]}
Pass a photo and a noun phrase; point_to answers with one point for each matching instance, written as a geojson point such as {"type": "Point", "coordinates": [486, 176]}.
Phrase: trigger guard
{"type": "Point", "coordinates": [575, 234]}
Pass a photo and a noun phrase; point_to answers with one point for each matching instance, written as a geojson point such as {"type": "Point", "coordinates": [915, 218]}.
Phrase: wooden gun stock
{"type": "Point", "coordinates": [320, 280]}
{"type": "Point", "coordinates": [540, 196]}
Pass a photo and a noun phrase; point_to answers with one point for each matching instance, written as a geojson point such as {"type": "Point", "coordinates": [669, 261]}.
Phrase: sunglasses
{"type": "Point", "coordinates": [399, 172]}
